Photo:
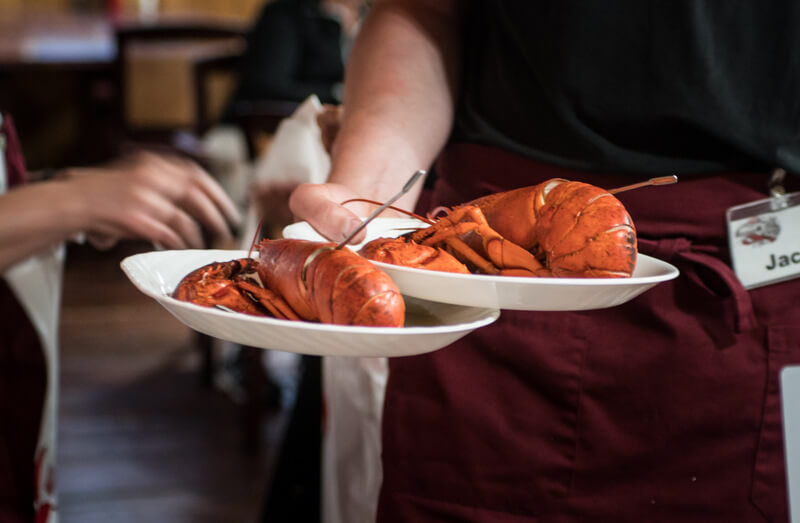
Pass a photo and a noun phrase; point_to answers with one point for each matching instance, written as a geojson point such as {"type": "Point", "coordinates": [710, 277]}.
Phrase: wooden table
{"type": "Point", "coordinates": [55, 40]}
{"type": "Point", "coordinates": [61, 76]}
{"type": "Point", "coordinates": [86, 40]}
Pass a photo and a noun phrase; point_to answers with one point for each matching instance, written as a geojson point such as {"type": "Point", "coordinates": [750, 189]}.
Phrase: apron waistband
{"type": "Point", "coordinates": [708, 256]}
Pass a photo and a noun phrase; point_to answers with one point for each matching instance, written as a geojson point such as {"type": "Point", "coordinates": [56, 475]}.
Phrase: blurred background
{"type": "Point", "coordinates": [148, 431]}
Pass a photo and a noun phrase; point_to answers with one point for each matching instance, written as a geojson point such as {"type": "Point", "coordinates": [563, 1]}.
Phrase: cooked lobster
{"type": "Point", "coordinates": [556, 228]}
{"type": "Point", "coordinates": [299, 279]}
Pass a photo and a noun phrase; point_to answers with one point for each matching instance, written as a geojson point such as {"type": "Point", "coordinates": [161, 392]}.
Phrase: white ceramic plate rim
{"type": "Point", "coordinates": [388, 227]}
{"type": "Point", "coordinates": [490, 314]}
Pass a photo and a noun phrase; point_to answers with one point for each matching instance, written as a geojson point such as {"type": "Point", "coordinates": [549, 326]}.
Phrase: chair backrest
{"type": "Point", "coordinates": [215, 79]}
{"type": "Point", "coordinates": [163, 70]}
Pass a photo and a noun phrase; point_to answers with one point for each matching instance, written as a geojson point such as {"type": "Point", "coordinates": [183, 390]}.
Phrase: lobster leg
{"type": "Point", "coordinates": [512, 259]}
{"type": "Point", "coordinates": [270, 300]}
{"type": "Point", "coordinates": [491, 253]}
{"type": "Point", "coordinates": [502, 256]}
{"type": "Point", "coordinates": [449, 235]}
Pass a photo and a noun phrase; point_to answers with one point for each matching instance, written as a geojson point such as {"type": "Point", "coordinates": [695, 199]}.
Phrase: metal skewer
{"type": "Point", "coordinates": [409, 184]}
{"type": "Point", "coordinates": [663, 180]}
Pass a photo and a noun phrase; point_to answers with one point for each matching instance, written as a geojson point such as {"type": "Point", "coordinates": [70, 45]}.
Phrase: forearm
{"type": "Point", "coordinates": [34, 217]}
{"type": "Point", "coordinates": [400, 90]}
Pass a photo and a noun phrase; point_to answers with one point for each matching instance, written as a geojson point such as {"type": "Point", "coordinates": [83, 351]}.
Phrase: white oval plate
{"type": "Point", "coordinates": [506, 292]}
{"type": "Point", "coordinates": [429, 325]}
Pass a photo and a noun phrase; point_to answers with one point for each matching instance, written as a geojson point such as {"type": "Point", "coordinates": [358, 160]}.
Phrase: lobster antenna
{"type": "Point", "coordinates": [408, 185]}
{"type": "Point", "coordinates": [392, 207]}
{"type": "Point", "coordinates": [256, 237]}
{"type": "Point", "coordinates": [662, 180]}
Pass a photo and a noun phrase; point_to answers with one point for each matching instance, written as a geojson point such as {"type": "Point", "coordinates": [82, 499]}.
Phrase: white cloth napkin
{"type": "Point", "coordinates": [351, 448]}
{"type": "Point", "coordinates": [295, 155]}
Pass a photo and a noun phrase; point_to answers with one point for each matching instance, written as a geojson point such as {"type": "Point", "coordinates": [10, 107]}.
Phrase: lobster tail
{"type": "Point", "coordinates": [352, 291]}
{"type": "Point", "coordinates": [330, 285]}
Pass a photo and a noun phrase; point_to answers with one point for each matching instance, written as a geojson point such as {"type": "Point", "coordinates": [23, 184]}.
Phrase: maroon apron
{"type": "Point", "coordinates": [23, 378]}
{"type": "Point", "coordinates": [665, 408]}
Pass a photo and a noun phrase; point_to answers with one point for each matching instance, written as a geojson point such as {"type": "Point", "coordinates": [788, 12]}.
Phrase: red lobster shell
{"type": "Point", "coordinates": [556, 228]}
{"type": "Point", "coordinates": [299, 279]}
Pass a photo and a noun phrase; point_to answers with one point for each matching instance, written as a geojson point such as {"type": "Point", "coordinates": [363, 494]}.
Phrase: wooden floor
{"type": "Point", "coordinates": [140, 438]}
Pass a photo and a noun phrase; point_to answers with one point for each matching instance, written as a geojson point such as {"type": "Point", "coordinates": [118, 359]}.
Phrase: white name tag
{"type": "Point", "coordinates": [764, 238]}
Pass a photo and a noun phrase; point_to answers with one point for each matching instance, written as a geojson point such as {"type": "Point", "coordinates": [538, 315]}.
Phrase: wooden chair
{"type": "Point", "coordinates": [214, 78]}
{"type": "Point", "coordinates": [204, 49]}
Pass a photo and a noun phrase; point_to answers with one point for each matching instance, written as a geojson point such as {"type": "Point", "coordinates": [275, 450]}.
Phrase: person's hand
{"type": "Point", "coordinates": [164, 199]}
{"type": "Point", "coordinates": [320, 205]}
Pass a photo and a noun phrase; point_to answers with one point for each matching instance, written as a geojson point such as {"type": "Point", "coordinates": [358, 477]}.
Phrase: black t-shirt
{"type": "Point", "coordinates": [639, 86]}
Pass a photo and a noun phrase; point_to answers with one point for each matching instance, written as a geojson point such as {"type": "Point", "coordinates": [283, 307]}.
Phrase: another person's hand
{"type": "Point", "coordinates": [164, 199]}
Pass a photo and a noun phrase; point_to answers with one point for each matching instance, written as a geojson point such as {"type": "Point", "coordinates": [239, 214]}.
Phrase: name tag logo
{"type": "Point", "coordinates": [759, 230]}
